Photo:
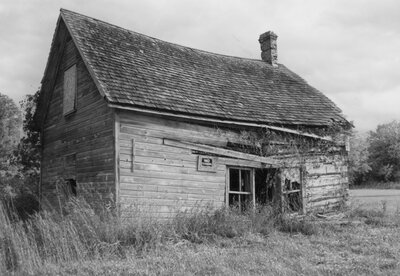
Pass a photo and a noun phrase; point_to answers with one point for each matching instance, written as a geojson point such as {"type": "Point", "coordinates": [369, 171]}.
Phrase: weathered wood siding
{"type": "Point", "coordinates": [163, 179]}
{"type": "Point", "coordinates": [85, 137]}
{"type": "Point", "coordinates": [325, 181]}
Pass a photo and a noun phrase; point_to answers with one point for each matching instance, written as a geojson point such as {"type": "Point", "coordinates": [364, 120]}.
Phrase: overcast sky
{"type": "Point", "coordinates": [349, 50]}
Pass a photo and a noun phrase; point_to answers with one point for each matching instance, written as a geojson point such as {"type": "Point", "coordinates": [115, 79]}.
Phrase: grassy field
{"type": "Point", "coordinates": [387, 200]}
{"type": "Point", "coordinates": [361, 242]}
{"type": "Point", "coordinates": [377, 185]}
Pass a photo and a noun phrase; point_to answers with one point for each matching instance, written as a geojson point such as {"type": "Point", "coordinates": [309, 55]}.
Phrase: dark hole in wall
{"type": "Point", "coordinates": [292, 196]}
{"type": "Point", "coordinates": [234, 180]}
{"type": "Point", "coordinates": [71, 187]}
{"type": "Point", "coordinates": [266, 186]}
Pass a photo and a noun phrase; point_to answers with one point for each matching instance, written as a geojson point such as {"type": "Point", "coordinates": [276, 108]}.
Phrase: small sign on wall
{"type": "Point", "coordinates": [207, 163]}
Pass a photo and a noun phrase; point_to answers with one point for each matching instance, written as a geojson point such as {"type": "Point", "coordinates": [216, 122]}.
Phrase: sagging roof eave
{"type": "Point", "coordinates": [221, 121]}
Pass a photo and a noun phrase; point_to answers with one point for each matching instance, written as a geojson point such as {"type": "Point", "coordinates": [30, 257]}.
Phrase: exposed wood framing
{"type": "Point", "coordinates": [220, 151]}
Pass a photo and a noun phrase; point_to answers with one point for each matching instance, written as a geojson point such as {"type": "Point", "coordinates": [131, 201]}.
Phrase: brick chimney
{"type": "Point", "coordinates": [269, 51]}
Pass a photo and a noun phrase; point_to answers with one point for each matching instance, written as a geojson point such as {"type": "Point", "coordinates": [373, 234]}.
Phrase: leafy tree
{"type": "Point", "coordinates": [20, 190]}
{"type": "Point", "coordinates": [27, 155]}
{"type": "Point", "coordinates": [384, 151]}
{"type": "Point", "coordinates": [10, 130]}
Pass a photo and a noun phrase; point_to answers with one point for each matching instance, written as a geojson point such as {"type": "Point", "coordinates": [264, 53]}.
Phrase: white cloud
{"type": "Point", "coordinates": [346, 49]}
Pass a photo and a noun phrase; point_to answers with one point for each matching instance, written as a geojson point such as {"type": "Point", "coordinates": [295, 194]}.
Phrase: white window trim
{"type": "Point", "coordinates": [252, 185]}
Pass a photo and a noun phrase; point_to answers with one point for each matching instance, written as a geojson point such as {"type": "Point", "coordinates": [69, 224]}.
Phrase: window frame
{"type": "Point", "coordinates": [281, 192]}
{"type": "Point", "coordinates": [286, 193]}
{"type": "Point", "coordinates": [228, 187]}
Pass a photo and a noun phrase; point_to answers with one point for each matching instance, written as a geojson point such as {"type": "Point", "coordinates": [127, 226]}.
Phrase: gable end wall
{"type": "Point", "coordinates": [85, 136]}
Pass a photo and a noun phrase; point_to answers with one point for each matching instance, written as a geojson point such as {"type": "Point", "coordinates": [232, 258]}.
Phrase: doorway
{"type": "Point", "coordinates": [266, 186]}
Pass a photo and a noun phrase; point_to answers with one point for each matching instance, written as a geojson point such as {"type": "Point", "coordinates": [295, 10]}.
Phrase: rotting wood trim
{"type": "Point", "coordinates": [310, 175]}
{"type": "Point", "coordinates": [238, 123]}
{"type": "Point", "coordinates": [221, 151]}
{"type": "Point", "coordinates": [240, 193]}
{"type": "Point", "coordinates": [291, 191]}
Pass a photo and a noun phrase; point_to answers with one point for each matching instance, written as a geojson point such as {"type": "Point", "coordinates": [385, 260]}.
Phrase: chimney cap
{"type": "Point", "coordinates": [267, 35]}
{"type": "Point", "coordinates": [269, 51]}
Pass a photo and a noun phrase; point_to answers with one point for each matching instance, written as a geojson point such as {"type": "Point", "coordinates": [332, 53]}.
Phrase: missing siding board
{"type": "Point", "coordinates": [133, 155]}
{"type": "Point", "coordinates": [69, 90]}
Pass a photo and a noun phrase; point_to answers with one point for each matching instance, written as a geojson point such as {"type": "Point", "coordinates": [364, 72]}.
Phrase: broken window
{"type": "Point", "coordinates": [292, 200]}
{"type": "Point", "coordinates": [272, 186]}
{"type": "Point", "coordinates": [240, 188]}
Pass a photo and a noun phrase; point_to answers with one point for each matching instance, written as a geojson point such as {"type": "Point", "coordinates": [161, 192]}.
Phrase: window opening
{"type": "Point", "coordinates": [292, 190]}
{"type": "Point", "coordinates": [240, 188]}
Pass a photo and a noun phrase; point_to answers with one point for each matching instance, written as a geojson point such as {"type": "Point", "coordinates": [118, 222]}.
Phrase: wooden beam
{"type": "Point", "coordinates": [221, 151]}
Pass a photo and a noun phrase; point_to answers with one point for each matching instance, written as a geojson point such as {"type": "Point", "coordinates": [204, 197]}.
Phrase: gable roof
{"type": "Point", "coordinates": [134, 70]}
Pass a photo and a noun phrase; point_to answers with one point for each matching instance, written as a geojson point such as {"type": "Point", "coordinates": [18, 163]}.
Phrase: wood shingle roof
{"type": "Point", "coordinates": [131, 69]}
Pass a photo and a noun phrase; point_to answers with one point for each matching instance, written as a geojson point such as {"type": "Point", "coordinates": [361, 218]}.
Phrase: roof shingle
{"type": "Point", "coordinates": [136, 70]}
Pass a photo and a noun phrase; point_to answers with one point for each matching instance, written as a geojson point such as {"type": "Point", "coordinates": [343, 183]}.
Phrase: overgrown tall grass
{"type": "Point", "coordinates": [79, 234]}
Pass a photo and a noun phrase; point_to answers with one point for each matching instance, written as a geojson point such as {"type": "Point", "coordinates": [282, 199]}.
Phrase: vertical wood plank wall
{"type": "Point", "coordinates": [87, 133]}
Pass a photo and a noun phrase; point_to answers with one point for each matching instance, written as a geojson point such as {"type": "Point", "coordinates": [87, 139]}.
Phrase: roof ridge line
{"type": "Point", "coordinates": [164, 41]}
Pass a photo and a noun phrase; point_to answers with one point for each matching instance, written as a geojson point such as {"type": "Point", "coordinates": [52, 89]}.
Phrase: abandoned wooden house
{"type": "Point", "coordinates": [143, 121]}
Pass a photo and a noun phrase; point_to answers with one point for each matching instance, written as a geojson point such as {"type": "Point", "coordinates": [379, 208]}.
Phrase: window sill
{"type": "Point", "coordinates": [69, 113]}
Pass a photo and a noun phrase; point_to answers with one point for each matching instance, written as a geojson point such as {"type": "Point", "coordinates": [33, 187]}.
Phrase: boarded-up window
{"type": "Point", "coordinates": [69, 90]}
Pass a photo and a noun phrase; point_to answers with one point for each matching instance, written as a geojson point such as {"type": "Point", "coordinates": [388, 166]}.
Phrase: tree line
{"type": "Point", "coordinates": [19, 153]}
{"type": "Point", "coordinates": [375, 157]}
